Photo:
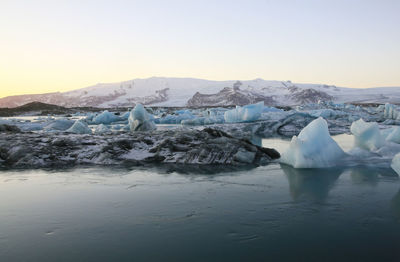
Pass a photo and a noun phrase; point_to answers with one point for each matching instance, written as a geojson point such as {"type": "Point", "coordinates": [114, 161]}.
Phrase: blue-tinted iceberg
{"type": "Point", "coordinates": [79, 127]}
{"type": "Point", "coordinates": [244, 114]}
{"type": "Point", "coordinates": [367, 135]}
{"type": "Point", "coordinates": [313, 148]}
{"type": "Point", "coordinates": [106, 118]}
{"type": "Point", "coordinates": [396, 163]}
{"type": "Point", "coordinates": [140, 120]}
{"type": "Point", "coordinates": [59, 125]}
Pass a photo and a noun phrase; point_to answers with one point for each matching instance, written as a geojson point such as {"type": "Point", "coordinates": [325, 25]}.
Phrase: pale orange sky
{"type": "Point", "coordinates": [49, 46]}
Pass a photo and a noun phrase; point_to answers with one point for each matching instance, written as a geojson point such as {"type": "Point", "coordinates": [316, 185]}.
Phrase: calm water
{"type": "Point", "coordinates": [271, 213]}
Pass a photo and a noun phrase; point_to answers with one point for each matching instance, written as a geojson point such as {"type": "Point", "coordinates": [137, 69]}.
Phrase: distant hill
{"type": "Point", "coordinates": [162, 91]}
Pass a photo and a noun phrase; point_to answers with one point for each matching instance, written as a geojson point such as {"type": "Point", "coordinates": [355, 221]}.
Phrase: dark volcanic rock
{"type": "Point", "coordinates": [189, 147]}
{"type": "Point", "coordinates": [9, 128]}
{"type": "Point", "coordinates": [229, 96]}
{"type": "Point", "coordinates": [309, 96]}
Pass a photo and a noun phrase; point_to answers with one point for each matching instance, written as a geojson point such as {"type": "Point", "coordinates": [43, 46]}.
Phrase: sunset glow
{"type": "Point", "coordinates": [50, 46]}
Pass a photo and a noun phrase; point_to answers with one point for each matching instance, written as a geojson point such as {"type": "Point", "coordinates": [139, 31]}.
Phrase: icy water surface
{"type": "Point", "coordinates": [270, 213]}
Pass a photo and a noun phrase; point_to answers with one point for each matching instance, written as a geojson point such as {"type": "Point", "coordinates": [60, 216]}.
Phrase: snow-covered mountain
{"type": "Point", "coordinates": [162, 91]}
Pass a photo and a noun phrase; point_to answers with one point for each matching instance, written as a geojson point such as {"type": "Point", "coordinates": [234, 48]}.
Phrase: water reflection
{"type": "Point", "coordinates": [370, 176]}
{"type": "Point", "coordinates": [312, 184]}
{"type": "Point", "coordinates": [396, 205]}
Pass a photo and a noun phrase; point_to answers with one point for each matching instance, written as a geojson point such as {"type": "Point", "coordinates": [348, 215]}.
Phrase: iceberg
{"type": "Point", "coordinates": [396, 163]}
{"type": "Point", "coordinates": [391, 112]}
{"type": "Point", "coordinates": [313, 148]}
{"type": "Point", "coordinates": [79, 127]}
{"type": "Point", "coordinates": [394, 135]}
{"type": "Point", "coordinates": [244, 114]}
{"type": "Point", "coordinates": [367, 135]}
{"type": "Point", "coordinates": [140, 120]}
{"type": "Point", "coordinates": [105, 118]}
{"type": "Point", "coordinates": [101, 129]}
{"type": "Point", "coordinates": [59, 125]}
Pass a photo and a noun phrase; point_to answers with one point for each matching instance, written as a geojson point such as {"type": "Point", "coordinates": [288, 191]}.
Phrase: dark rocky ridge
{"type": "Point", "coordinates": [187, 147]}
{"type": "Point", "coordinates": [229, 96]}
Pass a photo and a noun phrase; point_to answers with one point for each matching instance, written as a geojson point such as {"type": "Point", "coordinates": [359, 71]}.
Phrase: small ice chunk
{"type": "Point", "coordinates": [79, 127]}
{"type": "Point", "coordinates": [367, 135]}
{"type": "Point", "coordinates": [396, 163]}
{"type": "Point", "coordinates": [394, 136]}
{"type": "Point", "coordinates": [313, 148]}
{"type": "Point", "coordinates": [101, 129]}
{"type": "Point", "coordinates": [140, 120]}
{"type": "Point", "coordinates": [244, 114]}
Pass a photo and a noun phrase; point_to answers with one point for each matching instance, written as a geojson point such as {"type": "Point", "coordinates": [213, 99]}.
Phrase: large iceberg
{"type": "Point", "coordinates": [367, 135]}
{"type": "Point", "coordinates": [244, 114]}
{"type": "Point", "coordinates": [140, 120]}
{"type": "Point", "coordinates": [396, 163]}
{"type": "Point", "coordinates": [313, 148]}
{"type": "Point", "coordinates": [79, 127]}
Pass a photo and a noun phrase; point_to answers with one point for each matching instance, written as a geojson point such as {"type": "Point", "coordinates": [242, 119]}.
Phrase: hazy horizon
{"type": "Point", "coordinates": [60, 46]}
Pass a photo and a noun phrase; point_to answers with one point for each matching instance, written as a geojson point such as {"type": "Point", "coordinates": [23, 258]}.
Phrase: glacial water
{"type": "Point", "coordinates": [270, 213]}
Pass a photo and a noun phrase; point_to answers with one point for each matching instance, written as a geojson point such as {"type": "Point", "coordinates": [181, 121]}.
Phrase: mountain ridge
{"type": "Point", "coordinates": [174, 91]}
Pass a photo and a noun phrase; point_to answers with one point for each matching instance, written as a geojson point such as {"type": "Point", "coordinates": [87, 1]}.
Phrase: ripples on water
{"type": "Point", "coordinates": [270, 213]}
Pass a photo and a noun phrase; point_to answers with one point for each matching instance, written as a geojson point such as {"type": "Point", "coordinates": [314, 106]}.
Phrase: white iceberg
{"type": "Point", "coordinates": [313, 148]}
{"type": "Point", "coordinates": [244, 114]}
{"type": "Point", "coordinates": [394, 135]}
{"type": "Point", "coordinates": [140, 120]}
{"type": "Point", "coordinates": [391, 112]}
{"type": "Point", "coordinates": [79, 127]}
{"type": "Point", "coordinates": [367, 135]}
{"type": "Point", "coordinates": [396, 163]}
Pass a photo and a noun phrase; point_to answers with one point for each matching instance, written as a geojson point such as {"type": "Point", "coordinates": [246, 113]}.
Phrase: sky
{"type": "Point", "coordinates": [49, 46]}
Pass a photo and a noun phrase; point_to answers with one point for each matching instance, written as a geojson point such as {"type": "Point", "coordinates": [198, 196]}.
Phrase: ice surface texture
{"type": "Point", "coordinates": [244, 114]}
{"type": "Point", "coordinates": [367, 135]}
{"type": "Point", "coordinates": [313, 148]}
{"type": "Point", "coordinates": [396, 163]}
{"type": "Point", "coordinates": [140, 120]}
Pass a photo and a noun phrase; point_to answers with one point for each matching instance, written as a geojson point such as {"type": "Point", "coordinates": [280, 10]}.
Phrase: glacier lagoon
{"type": "Point", "coordinates": [199, 212]}
{"type": "Point", "coordinates": [272, 212]}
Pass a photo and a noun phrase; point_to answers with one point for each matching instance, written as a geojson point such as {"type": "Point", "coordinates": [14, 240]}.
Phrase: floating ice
{"type": "Point", "coordinates": [367, 135]}
{"type": "Point", "coordinates": [79, 127]}
{"type": "Point", "coordinates": [313, 148]}
{"type": "Point", "coordinates": [394, 135]}
{"type": "Point", "coordinates": [244, 114]}
{"type": "Point", "coordinates": [139, 119]}
{"type": "Point", "coordinates": [101, 129]}
{"type": "Point", "coordinates": [396, 163]}
{"type": "Point", "coordinates": [59, 125]}
{"type": "Point", "coordinates": [106, 118]}
{"type": "Point", "coordinates": [391, 111]}
{"type": "Point", "coordinates": [175, 119]}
